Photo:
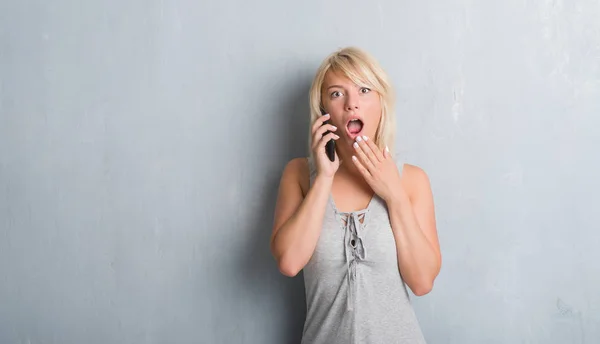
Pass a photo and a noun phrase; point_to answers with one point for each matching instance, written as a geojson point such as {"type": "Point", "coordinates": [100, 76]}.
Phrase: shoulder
{"type": "Point", "coordinates": [414, 172]}
{"type": "Point", "coordinates": [415, 180]}
{"type": "Point", "coordinates": [297, 166]}
{"type": "Point", "coordinates": [297, 171]}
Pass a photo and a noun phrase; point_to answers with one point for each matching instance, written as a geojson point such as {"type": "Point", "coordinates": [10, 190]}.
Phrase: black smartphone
{"type": "Point", "coordinates": [329, 146]}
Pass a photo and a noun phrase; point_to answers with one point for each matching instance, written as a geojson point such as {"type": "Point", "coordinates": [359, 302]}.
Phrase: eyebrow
{"type": "Point", "coordinates": [332, 86]}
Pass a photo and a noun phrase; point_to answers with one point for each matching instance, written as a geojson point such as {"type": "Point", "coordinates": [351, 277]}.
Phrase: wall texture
{"type": "Point", "coordinates": [141, 144]}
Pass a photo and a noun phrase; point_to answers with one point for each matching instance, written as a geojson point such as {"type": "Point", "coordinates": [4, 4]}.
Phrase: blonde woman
{"type": "Point", "coordinates": [361, 227]}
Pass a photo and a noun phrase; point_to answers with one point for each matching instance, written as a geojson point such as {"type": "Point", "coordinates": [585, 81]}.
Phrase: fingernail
{"type": "Point", "coordinates": [354, 158]}
{"type": "Point", "coordinates": [355, 145]}
{"type": "Point", "coordinates": [387, 149]}
{"type": "Point", "coordinates": [334, 127]}
{"type": "Point", "coordinates": [358, 139]}
{"type": "Point", "coordinates": [337, 137]}
{"type": "Point", "coordinates": [366, 138]}
{"type": "Point", "coordinates": [325, 115]}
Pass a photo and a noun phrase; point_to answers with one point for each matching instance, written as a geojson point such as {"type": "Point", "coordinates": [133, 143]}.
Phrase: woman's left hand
{"type": "Point", "coordinates": [377, 167]}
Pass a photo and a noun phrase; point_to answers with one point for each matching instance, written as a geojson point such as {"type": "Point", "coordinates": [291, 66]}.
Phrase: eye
{"type": "Point", "coordinates": [365, 90]}
{"type": "Point", "coordinates": [336, 94]}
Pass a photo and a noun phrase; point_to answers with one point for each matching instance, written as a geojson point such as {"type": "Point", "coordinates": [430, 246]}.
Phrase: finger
{"type": "Point", "coordinates": [386, 152]}
{"type": "Point", "coordinates": [324, 128]}
{"type": "Point", "coordinates": [319, 122]}
{"type": "Point", "coordinates": [321, 131]}
{"type": "Point", "coordinates": [376, 151]}
{"type": "Point", "coordinates": [326, 139]}
{"type": "Point", "coordinates": [361, 168]}
{"type": "Point", "coordinates": [364, 159]}
{"type": "Point", "coordinates": [364, 147]}
{"type": "Point", "coordinates": [364, 144]}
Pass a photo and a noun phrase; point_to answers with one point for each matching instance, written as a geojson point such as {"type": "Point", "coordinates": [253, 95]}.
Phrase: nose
{"type": "Point", "coordinates": [351, 103]}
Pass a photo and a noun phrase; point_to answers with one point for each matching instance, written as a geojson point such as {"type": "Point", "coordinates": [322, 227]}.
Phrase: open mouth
{"type": "Point", "coordinates": [354, 127]}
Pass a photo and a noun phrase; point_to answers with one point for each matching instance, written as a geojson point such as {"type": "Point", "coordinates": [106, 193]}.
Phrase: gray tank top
{"type": "Point", "coordinates": [354, 290]}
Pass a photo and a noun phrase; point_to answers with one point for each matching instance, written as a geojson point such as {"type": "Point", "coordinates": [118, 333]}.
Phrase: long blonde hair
{"type": "Point", "coordinates": [360, 67]}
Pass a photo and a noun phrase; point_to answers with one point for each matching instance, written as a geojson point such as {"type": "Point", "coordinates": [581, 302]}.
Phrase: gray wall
{"type": "Point", "coordinates": [141, 144]}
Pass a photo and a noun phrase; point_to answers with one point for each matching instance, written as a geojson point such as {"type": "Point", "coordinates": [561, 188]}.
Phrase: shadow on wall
{"type": "Point", "coordinates": [280, 296]}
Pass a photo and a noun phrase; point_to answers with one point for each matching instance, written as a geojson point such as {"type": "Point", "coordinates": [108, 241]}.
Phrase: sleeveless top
{"type": "Point", "coordinates": [354, 290]}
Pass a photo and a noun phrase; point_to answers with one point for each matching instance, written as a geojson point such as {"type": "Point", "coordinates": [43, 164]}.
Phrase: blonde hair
{"type": "Point", "coordinates": [360, 67]}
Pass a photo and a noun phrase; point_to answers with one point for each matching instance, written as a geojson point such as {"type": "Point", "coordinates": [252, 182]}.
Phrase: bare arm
{"type": "Point", "coordinates": [298, 219]}
{"type": "Point", "coordinates": [413, 223]}
{"type": "Point", "coordinates": [410, 207]}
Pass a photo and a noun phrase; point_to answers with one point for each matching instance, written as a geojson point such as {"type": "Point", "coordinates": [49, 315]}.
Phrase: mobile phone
{"type": "Point", "coordinates": [330, 145]}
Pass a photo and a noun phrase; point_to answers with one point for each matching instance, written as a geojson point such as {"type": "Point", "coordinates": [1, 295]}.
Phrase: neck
{"type": "Point", "coordinates": [347, 167]}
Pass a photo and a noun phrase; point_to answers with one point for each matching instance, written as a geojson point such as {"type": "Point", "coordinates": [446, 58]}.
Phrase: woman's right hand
{"type": "Point", "coordinates": [325, 167]}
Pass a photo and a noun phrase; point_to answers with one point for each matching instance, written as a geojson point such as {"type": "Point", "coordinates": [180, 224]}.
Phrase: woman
{"type": "Point", "coordinates": [361, 227]}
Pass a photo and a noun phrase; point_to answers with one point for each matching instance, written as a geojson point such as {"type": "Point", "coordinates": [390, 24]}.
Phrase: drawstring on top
{"type": "Point", "coordinates": [354, 249]}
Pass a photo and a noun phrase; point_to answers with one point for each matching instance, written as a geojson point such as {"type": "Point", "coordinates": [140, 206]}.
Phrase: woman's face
{"type": "Point", "coordinates": [354, 110]}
